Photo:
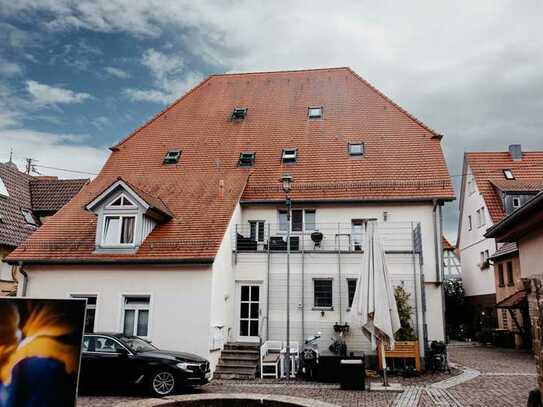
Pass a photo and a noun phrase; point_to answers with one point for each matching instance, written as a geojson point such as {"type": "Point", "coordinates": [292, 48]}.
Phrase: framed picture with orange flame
{"type": "Point", "coordinates": [40, 351]}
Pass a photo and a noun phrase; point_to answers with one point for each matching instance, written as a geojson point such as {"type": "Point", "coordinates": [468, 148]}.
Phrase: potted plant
{"type": "Point", "coordinates": [407, 345]}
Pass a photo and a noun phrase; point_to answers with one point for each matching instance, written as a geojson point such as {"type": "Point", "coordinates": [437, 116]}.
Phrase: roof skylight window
{"type": "Point", "coordinates": [289, 155]}
{"type": "Point", "coordinates": [508, 174]}
{"type": "Point", "coordinates": [247, 159]}
{"type": "Point", "coordinates": [356, 148]}
{"type": "Point", "coordinates": [314, 112]}
{"type": "Point", "coordinates": [239, 113]}
{"type": "Point", "coordinates": [29, 219]}
{"type": "Point", "coordinates": [172, 157]}
{"type": "Point", "coordinates": [3, 190]}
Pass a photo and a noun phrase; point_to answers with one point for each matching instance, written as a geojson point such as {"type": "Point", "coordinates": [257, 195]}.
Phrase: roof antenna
{"type": "Point", "coordinates": [10, 156]}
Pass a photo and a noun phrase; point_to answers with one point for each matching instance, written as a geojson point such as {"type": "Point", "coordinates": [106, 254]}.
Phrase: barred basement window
{"type": "Point", "coordinates": [322, 293]}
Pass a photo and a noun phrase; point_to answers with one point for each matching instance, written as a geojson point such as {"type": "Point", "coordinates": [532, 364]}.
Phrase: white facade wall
{"type": "Point", "coordinates": [472, 242]}
{"type": "Point", "coordinates": [222, 293]}
{"type": "Point", "coordinates": [180, 298]}
{"type": "Point", "coordinates": [396, 232]}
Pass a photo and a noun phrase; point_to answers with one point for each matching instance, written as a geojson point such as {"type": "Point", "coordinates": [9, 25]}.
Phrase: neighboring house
{"type": "Point", "coordinates": [181, 238]}
{"type": "Point", "coordinates": [451, 263]}
{"type": "Point", "coordinates": [25, 203]}
{"type": "Point", "coordinates": [494, 184]}
{"type": "Point", "coordinates": [522, 233]}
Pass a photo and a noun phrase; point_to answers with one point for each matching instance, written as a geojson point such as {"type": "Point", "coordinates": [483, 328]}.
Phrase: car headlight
{"type": "Point", "coordinates": [188, 367]}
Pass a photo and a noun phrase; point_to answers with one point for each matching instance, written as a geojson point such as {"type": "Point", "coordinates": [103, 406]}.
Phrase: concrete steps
{"type": "Point", "coordinates": [238, 361]}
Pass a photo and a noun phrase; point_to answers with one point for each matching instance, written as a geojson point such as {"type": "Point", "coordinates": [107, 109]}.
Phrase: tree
{"type": "Point", "coordinates": [405, 311]}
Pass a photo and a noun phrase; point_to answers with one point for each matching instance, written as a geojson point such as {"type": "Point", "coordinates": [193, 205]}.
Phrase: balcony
{"type": "Point", "coordinates": [323, 237]}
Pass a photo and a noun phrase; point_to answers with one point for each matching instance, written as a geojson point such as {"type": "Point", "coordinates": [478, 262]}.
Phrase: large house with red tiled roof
{"type": "Point", "coordinates": [181, 238]}
{"type": "Point", "coordinates": [494, 184]}
{"type": "Point", "coordinates": [25, 203]}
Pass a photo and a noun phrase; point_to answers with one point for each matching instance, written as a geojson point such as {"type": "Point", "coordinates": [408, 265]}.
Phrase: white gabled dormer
{"type": "Point", "coordinates": [126, 216]}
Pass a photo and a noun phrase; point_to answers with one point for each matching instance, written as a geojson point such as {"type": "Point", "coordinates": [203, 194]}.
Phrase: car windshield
{"type": "Point", "coordinates": [136, 344]}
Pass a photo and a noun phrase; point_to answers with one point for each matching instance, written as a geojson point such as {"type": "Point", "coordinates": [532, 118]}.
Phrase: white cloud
{"type": "Point", "coordinates": [117, 72]}
{"type": "Point", "coordinates": [10, 69]}
{"type": "Point", "coordinates": [53, 150]}
{"type": "Point", "coordinates": [162, 65]}
{"type": "Point", "coordinates": [168, 77]}
{"type": "Point", "coordinates": [50, 95]}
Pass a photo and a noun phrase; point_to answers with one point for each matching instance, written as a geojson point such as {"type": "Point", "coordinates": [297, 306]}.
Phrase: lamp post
{"type": "Point", "coordinates": [286, 180]}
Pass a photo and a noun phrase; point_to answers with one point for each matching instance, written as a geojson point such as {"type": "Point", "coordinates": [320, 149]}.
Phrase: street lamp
{"type": "Point", "coordinates": [286, 180]}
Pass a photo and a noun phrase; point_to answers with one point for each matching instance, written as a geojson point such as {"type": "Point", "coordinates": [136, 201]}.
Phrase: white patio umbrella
{"type": "Point", "coordinates": [374, 305]}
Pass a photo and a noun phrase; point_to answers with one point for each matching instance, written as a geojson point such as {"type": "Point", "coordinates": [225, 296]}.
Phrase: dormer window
{"type": "Point", "coordinates": [314, 112]}
{"type": "Point", "coordinates": [126, 215]}
{"type": "Point", "coordinates": [247, 159]}
{"type": "Point", "coordinates": [172, 157]}
{"type": "Point", "coordinates": [118, 230]}
{"type": "Point", "coordinates": [289, 155]}
{"type": "Point", "coordinates": [508, 174]}
{"type": "Point", "coordinates": [239, 113]}
{"type": "Point", "coordinates": [356, 149]}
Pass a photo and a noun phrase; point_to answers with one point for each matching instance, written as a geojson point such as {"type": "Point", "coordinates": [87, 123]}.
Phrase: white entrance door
{"type": "Point", "coordinates": [249, 312]}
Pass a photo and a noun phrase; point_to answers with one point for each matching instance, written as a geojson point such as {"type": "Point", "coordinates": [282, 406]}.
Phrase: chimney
{"type": "Point", "coordinates": [516, 152]}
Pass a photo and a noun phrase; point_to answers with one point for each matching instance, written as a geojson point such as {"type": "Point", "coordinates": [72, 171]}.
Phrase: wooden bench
{"type": "Point", "coordinates": [403, 350]}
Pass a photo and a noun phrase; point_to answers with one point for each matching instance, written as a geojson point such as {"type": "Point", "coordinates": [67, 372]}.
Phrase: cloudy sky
{"type": "Point", "coordinates": [75, 76]}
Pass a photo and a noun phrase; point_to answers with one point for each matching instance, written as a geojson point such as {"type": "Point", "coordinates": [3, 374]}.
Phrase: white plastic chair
{"type": "Point", "coordinates": [270, 356]}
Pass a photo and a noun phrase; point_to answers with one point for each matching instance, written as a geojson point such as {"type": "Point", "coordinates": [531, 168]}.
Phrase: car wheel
{"type": "Point", "coordinates": [162, 383]}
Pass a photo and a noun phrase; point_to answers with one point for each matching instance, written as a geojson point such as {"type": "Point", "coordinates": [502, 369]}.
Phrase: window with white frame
{"type": "Point", "coordinates": [471, 187]}
{"type": "Point", "coordinates": [90, 313]}
{"type": "Point", "coordinates": [470, 225]}
{"type": "Point", "coordinates": [485, 254]}
{"type": "Point", "coordinates": [516, 202]}
{"type": "Point", "coordinates": [351, 290]}
{"type": "Point", "coordinates": [257, 230]}
{"type": "Point", "coordinates": [481, 217]}
{"type": "Point", "coordinates": [322, 293]}
{"type": "Point", "coordinates": [118, 230]}
{"type": "Point", "coordinates": [301, 220]}
{"type": "Point", "coordinates": [136, 315]}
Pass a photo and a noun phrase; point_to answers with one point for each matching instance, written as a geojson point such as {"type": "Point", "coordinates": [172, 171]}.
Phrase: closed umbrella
{"type": "Point", "coordinates": [374, 305]}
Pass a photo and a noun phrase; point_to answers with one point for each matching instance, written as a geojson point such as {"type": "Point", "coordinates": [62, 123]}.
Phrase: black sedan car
{"type": "Point", "coordinates": [114, 361]}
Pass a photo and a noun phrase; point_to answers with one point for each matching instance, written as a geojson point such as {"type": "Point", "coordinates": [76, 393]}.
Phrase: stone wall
{"type": "Point", "coordinates": [535, 306]}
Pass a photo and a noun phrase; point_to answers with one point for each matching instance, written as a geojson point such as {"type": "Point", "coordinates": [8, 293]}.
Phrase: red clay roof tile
{"type": "Point", "coordinates": [403, 160]}
{"type": "Point", "coordinates": [487, 168]}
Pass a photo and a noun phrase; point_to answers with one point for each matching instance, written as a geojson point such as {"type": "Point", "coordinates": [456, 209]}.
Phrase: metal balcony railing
{"type": "Point", "coordinates": [345, 237]}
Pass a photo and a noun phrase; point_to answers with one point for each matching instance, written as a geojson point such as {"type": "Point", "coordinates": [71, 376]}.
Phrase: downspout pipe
{"type": "Point", "coordinates": [436, 242]}
{"type": "Point", "coordinates": [25, 279]}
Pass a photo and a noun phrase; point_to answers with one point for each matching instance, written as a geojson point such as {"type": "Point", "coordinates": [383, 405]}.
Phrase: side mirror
{"type": "Point", "coordinates": [122, 351]}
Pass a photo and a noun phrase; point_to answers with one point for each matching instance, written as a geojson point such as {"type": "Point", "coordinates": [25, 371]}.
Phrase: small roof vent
{"type": "Point", "coordinates": [239, 113]}
{"type": "Point", "coordinates": [247, 159]}
{"type": "Point", "coordinates": [172, 157]}
{"type": "Point", "coordinates": [289, 155]}
{"type": "Point", "coordinates": [516, 152]}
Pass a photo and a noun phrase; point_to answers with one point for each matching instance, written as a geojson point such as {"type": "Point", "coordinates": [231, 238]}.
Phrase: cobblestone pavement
{"type": "Point", "coordinates": [505, 379]}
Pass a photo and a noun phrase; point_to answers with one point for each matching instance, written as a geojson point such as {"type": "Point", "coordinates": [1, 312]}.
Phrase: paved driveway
{"type": "Point", "coordinates": [486, 377]}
